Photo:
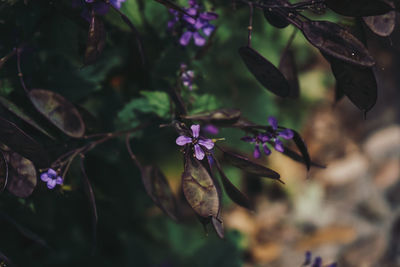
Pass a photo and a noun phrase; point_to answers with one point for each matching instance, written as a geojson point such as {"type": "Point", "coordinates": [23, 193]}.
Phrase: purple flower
{"type": "Point", "coordinates": [51, 178]}
{"type": "Point", "coordinates": [197, 26]}
{"type": "Point", "coordinates": [275, 134]}
{"type": "Point", "coordinates": [258, 141]}
{"type": "Point", "coordinates": [271, 136]}
{"type": "Point", "coordinates": [187, 77]}
{"type": "Point", "coordinates": [199, 143]}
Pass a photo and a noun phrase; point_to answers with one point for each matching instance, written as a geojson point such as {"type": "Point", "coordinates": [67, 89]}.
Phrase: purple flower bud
{"type": "Point", "coordinates": [317, 262]}
{"type": "Point", "coordinates": [308, 256]}
{"type": "Point", "coordinates": [257, 153]}
{"type": "Point", "coordinates": [273, 122]}
{"type": "Point", "coordinates": [211, 129]}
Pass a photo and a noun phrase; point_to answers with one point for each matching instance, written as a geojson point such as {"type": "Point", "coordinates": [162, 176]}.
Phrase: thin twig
{"type": "Point", "coordinates": [20, 75]}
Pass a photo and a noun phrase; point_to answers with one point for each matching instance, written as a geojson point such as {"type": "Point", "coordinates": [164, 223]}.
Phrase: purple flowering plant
{"type": "Point", "coordinates": [317, 261]}
{"type": "Point", "coordinates": [271, 137]}
{"type": "Point", "coordinates": [193, 25]}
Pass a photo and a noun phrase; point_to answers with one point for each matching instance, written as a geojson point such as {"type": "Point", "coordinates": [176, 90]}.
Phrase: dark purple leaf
{"type": "Point", "coordinates": [296, 157]}
{"type": "Point", "coordinates": [22, 175]}
{"type": "Point", "coordinates": [96, 40]}
{"type": "Point", "coordinates": [58, 111]}
{"type": "Point", "coordinates": [358, 84]}
{"type": "Point", "coordinates": [92, 203]}
{"type": "Point", "coordinates": [220, 116]}
{"type": "Point", "coordinates": [3, 172]}
{"type": "Point", "coordinates": [303, 148]}
{"type": "Point", "coordinates": [337, 42]}
{"type": "Point", "coordinates": [218, 226]}
{"type": "Point", "coordinates": [158, 189]}
{"type": "Point", "coordinates": [265, 72]}
{"type": "Point", "coordinates": [382, 25]}
{"type": "Point", "coordinates": [359, 8]}
{"type": "Point", "coordinates": [287, 66]}
{"type": "Point", "coordinates": [234, 193]}
{"type": "Point", "coordinates": [250, 167]}
{"type": "Point", "coordinates": [10, 106]}
{"type": "Point", "coordinates": [199, 188]}
{"type": "Point", "coordinates": [274, 17]}
{"type": "Point", "coordinates": [22, 143]}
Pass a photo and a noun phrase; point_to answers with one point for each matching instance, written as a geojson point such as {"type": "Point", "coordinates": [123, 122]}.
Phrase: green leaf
{"type": "Point", "coordinates": [159, 102]}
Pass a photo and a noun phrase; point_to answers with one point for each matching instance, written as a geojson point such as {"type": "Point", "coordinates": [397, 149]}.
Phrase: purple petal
{"type": "Point", "coordinates": [248, 139]}
{"type": "Point", "coordinates": [208, 143]}
{"type": "Point", "coordinates": [198, 152]}
{"type": "Point", "coordinates": [183, 140]}
{"type": "Point", "coordinates": [273, 122]}
{"type": "Point", "coordinates": [264, 138]}
{"type": "Point", "coordinates": [51, 173]}
{"type": "Point", "coordinates": [267, 151]}
{"type": "Point", "coordinates": [171, 24]}
{"type": "Point", "coordinates": [286, 134]}
{"type": "Point", "coordinates": [208, 15]}
{"type": "Point", "coordinates": [208, 29]}
{"type": "Point", "coordinates": [59, 180]}
{"type": "Point", "coordinates": [192, 11]}
{"type": "Point", "coordinates": [185, 38]}
{"type": "Point", "coordinates": [198, 39]}
{"type": "Point", "coordinates": [195, 130]}
{"type": "Point", "coordinates": [192, 3]}
{"type": "Point", "coordinates": [51, 184]}
{"type": "Point", "coordinates": [211, 129]}
{"type": "Point", "coordinates": [189, 20]}
{"type": "Point", "coordinates": [117, 3]}
{"type": "Point", "coordinates": [44, 177]}
{"type": "Point", "coordinates": [256, 153]}
{"type": "Point", "coordinates": [200, 24]}
{"type": "Point", "coordinates": [279, 145]}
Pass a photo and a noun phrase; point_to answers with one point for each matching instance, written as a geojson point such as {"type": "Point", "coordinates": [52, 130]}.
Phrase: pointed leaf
{"type": "Point", "coordinates": [218, 226]}
{"type": "Point", "coordinates": [3, 172]}
{"type": "Point", "coordinates": [382, 25]}
{"type": "Point", "coordinates": [287, 66]}
{"type": "Point", "coordinates": [337, 42]}
{"type": "Point", "coordinates": [250, 167]}
{"type": "Point", "coordinates": [358, 8]}
{"type": "Point", "coordinates": [10, 106]}
{"type": "Point", "coordinates": [296, 157]}
{"type": "Point", "coordinates": [22, 143]}
{"type": "Point", "coordinates": [265, 72]}
{"type": "Point", "coordinates": [358, 84]}
{"type": "Point", "coordinates": [158, 189]}
{"type": "Point", "coordinates": [233, 193]}
{"type": "Point", "coordinates": [302, 147]}
{"type": "Point", "coordinates": [96, 40]}
{"type": "Point", "coordinates": [219, 116]}
{"type": "Point", "coordinates": [58, 111]}
{"type": "Point", "coordinates": [22, 175]}
{"type": "Point", "coordinates": [199, 188]}
{"type": "Point", "coordinates": [275, 18]}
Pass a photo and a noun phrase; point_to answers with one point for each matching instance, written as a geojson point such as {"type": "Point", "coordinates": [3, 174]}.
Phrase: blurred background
{"type": "Point", "coordinates": [346, 213]}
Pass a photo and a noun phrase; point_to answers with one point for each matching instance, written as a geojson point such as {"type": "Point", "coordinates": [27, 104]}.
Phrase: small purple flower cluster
{"type": "Point", "coordinates": [51, 178]}
{"type": "Point", "coordinates": [196, 26]}
{"type": "Point", "coordinates": [201, 145]}
{"type": "Point", "coordinates": [317, 261]}
{"type": "Point", "coordinates": [270, 137]}
{"type": "Point", "coordinates": [187, 77]}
